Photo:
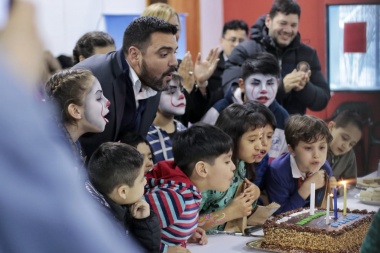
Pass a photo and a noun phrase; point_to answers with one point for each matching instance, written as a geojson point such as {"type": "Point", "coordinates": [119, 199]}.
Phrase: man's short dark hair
{"type": "Point", "coordinates": [261, 63]}
{"type": "Point", "coordinates": [200, 142]}
{"type": "Point", "coordinates": [286, 7]}
{"type": "Point", "coordinates": [235, 24]}
{"type": "Point", "coordinates": [113, 164]}
{"type": "Point", "coordinates": [138, 33]}
{"type": "Point", "coordinates": [86, 44]}
{"type": "Point", "coordinates": [306, 128]}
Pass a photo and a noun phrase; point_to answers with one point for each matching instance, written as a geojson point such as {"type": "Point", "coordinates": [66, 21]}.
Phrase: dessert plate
{"type": "Point", "coordinates": [369, 183]}
{"type": "Point", "coordinates": [370, 202]}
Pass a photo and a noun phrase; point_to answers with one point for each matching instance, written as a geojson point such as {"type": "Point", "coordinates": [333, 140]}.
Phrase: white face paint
{"type": "Point", "coordinates": [173, 101]}
{"type": "Point", "coordinates": [96, 108]}
{"type": "Point", "coordinates": [261, 88]}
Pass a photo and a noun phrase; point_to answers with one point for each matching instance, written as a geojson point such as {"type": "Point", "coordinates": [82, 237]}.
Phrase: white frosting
{"type": "Point", "coordinates": [286, 218]}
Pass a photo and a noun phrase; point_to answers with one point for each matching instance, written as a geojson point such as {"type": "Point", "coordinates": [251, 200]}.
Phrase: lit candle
{"type": "Point", "coordinates": [328, 209]}
{"type": "Point", "coordinates": [344, 197]}
{"type": "Point", "coordinates": [312, 198]}
{"type": "Point", "coordinates": [335, 204]}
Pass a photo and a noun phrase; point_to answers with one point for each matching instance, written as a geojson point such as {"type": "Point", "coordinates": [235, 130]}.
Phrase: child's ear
{"type": "Point", "coordinates": [123, 191]}
{"type": "Point", "coordinates": [331, 125]}
{"type": "Point", "coordinates": [291, 151]}
{"type": "Point", "coordinates": [241, 84]}
{"type": "Point", "coordinates": [201, 169]}
{"type": "Point", "coordinates": [81, 58]}
{"type": "Point", "coordinates": [74, 111]}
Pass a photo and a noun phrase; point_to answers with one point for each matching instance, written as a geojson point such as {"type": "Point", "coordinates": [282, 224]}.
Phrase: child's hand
{"type": "Point", "coordinates": [251, 190]}
{"type": "Point", "coordinates": [199, 236]}
{"type": "Point", "coordinates": [140, 209]}
{"type": "Point", "coordinates": [318, 178]}
{"type": "Point", "coordinates": [178, 249]}
{"type": "Point", "coordinates": [333, 183]}
{"type": "Point", "coordinates": [241, 206]}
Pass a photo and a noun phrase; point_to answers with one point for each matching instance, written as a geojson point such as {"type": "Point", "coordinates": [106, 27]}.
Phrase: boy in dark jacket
{"type": "Point", "coordinates": [202, 161]}
{"type": "Point", "coordinates": [116, 180]}
{"type": "Point", "coordinates": [258, 82]}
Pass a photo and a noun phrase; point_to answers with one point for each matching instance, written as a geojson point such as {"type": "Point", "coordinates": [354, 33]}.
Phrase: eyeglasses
{"type": "Point", "coordinates": [234, 40]}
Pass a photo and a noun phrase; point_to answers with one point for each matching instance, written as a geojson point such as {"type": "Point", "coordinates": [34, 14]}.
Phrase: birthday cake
{"type": "Point", "coordinates": [297, 230]}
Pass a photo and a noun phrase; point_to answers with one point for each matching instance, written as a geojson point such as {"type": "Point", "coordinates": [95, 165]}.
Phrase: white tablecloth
{"type": "Point", "coordinates": [230, 243]}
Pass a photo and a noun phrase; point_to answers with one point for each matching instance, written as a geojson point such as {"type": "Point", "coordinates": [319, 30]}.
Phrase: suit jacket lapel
{"type": "Point", "coordinates": [120, 89]}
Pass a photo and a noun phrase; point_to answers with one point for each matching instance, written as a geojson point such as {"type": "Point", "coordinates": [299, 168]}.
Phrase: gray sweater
{"type": "Point", "coordinates": [343, 166]}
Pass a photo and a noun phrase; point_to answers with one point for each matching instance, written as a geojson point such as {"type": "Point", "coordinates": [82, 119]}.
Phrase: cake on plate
{"type": "Point", "coordinates": [297, 230]}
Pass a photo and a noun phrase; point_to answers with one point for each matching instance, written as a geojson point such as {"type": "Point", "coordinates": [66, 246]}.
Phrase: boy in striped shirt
{"type": "Point", "coordinates": [202, 161]}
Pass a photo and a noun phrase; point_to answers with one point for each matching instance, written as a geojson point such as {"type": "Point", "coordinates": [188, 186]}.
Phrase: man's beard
{"type": "Point", "coordinates": [156, 84]}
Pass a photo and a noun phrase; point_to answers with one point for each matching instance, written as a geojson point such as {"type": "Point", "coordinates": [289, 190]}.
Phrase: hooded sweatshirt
{"type": "Point", "coordinates": [176, 200]}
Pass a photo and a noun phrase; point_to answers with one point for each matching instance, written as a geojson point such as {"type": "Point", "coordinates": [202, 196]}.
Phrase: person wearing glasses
{"type": "Point", "coordinates": [302, 84]}
{"type": "Point", "coordinates": [234, 32]}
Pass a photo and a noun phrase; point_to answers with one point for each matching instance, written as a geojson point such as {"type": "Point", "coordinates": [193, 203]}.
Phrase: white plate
{"type": "Point", "coordinates": [370, 202]}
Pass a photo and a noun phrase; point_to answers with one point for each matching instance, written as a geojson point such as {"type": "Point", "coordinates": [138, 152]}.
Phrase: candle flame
{"type": "Point", "coordinates": [331, 195]}
{"type": "Point", "coordinates": [343, 182]}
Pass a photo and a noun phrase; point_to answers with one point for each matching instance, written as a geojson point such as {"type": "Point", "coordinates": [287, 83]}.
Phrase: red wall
{"type": "Point", "coordinates": [313, 32]}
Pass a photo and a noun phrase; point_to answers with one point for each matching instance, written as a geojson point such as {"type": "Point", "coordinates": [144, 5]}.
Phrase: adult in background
{"type": "Point", "coordinates": [131, 78]}
{"type": "Point", "coordinates": [234, 32]}
{"type": "Point", "coordinates": [96, 42]}
{"type": "Point", "coordinates": [277, 33]}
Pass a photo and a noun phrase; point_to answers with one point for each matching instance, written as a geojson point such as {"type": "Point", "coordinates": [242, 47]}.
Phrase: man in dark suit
{"type": "Point", "coordinates": [132, 77]}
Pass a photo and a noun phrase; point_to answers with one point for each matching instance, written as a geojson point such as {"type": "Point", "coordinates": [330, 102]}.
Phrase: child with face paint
{"type": "Point", "coordinates": [80, 105]}
{"type": "Point", "coordinates": [172, 103]}
{"type": "Point", "coordinates": [142, 145]}
{"type": "Point", "coordinates": [245, 127]}
{"type": "Point", "coordinates": [259, 82]}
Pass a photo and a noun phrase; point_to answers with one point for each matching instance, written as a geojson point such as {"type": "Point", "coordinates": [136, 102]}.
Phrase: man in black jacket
{"type": "Point", "coordinates": [132, 77]}
{"type": "Point", "coordinates": [277, 33]}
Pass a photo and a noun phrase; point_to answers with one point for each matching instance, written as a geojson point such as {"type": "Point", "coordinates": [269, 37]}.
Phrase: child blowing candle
{"type": "Point", "coordinates": [307, 138]}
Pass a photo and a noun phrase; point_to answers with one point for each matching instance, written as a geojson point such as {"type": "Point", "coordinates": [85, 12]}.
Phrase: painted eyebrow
{"type": "Point", "coordinates": [269, 79]}
{"type": "Point", "coordinates": [99, 91]}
